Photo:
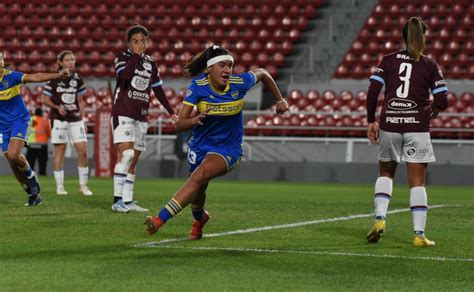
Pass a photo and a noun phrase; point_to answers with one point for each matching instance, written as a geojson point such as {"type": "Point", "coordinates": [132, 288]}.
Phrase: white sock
{"type": "Point", "coordinates": [59, 178]}
{"type": "Point", "coordinates": [120, 173]}
{"type": "Point", "coordinates": [383, 193]}
{"type": "Point", "coordinates": [128, 188]}
{"type": "Point", "coordinates": [419, 208]}
{"type": "Point", "coordinates": [83, 175]}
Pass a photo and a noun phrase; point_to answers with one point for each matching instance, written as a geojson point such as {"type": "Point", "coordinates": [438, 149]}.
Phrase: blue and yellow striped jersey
{"type": "Point", "coordinates": [224, 124]}
{"type": "Point", "coordinates": [12, 106]}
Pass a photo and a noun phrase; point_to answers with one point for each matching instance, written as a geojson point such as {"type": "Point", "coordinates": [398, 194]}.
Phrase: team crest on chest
{"type": "Point", "coordinates": [73, 83]}
{"type": "Point", "coordinates": [235, 94]}
{"type": "Point", "coordinates": [147, 66]}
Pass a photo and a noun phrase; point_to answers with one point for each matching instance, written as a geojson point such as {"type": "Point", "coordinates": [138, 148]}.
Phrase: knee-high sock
{"type": "Point", "coordinates": [26, 170]}
{"type": "Point", "coordinates": [383, 193]}
{"type": "Point", "coordinates": [419, 208]}
{"type": "Point", "coordinates": [169, 210]}
{"type": "Point", "coordinates": [128, 186]}
{"type": "Point", "coordinates": [120, 173]}
{"type": "Point", "coordinates": [59, 177]}
{"type": "Point", "coordinates": [83, 175]}
{"type": "Point", "coordinates": [198, 211]}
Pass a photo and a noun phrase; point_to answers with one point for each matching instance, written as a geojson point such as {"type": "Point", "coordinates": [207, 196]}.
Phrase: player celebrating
{"type": "Point", "coordinates": [14, 124]}
{"type": "Point", "coordinates": [64, 97]}
{"type": "Point", "coordinates": [408, 75]}
{"type": "Point", "coordinates": [216, 143]}
{"type": "Point", "coordinates": [137, 74]}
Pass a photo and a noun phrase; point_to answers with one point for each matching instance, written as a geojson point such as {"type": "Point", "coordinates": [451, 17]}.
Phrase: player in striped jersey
{"type": "Point", "coordinates": [14, 123]}
{"type": "Point", "coordinates": [216, 143]}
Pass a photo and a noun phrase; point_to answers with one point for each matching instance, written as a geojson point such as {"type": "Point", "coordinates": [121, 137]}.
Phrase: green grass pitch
{"type": "Point", "coordinates": [76, 243]}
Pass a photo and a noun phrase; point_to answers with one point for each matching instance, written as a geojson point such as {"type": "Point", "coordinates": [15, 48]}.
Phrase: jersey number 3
{"type": "Point", "coordinates": [402, 90]}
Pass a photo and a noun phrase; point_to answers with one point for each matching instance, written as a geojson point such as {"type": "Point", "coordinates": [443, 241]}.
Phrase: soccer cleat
{"type": "Point", "coordinates": [33, 201]}
{"type": "Point", "coordinates": [83, 189]}
{"type": "Point", "coordinates": [133, 207]}
{"type": "Point", "coordinates": [61, 191]}
{"type": "Point", "coordinates": [377, 230]}
{"type": "Point", "coordinates": [120, 207]}
{"type": "Point", "coordinates": [421, 241]}
{"type": "Point", "coordinates": [33, 184]}
{"type": "Point", "coordinates": [152, 225]}
{"type": "Point", "coordinates": [198, 225]}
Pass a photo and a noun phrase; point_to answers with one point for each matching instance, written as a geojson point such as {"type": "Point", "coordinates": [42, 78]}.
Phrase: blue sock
{"type": "Point", "coordinates": [170, 210]}
{"type": "Point", "coordinates": [198, 214]}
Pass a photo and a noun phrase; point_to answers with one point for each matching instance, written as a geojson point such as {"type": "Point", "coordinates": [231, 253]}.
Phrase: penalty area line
{"type": "Point", "coordinates": [311, 252]}
{"type": "Point", "coordinates": [281, 226]}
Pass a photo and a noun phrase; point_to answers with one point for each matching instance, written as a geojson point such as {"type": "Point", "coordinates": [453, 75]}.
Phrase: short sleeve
{"type": "Point", "coordinates": [438, 84]}
{"type": "Point", "coordinates": [17, 77]}
{"type": "Point", "coordinates": [247, 80]}
{"type": "Point", "coordinates": [48, 89]}
{"type": "Point", "coordinates": [380, 73]}
{"type": "Point", "coordinates": [192, 97]}
{"type": "Point", "coordinates": [81, 87]}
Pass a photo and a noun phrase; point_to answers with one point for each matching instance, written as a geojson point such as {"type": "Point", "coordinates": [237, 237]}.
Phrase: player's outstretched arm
{"type": "Point", "coordinates": [41, 77]}
{"type": "Point", "coordinates": [267, 80]}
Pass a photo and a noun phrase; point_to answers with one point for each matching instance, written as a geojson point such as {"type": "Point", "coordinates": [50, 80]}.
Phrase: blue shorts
{"type": "Point", "coordinates": [231, 156]}
{"type": "Point", "coordinates": [17, 130]}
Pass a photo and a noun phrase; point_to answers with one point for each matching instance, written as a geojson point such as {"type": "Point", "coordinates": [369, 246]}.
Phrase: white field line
{"type": "Point", "coordinates": [273, 227]}
{"type": "Point", "coordinates": [324, 253]}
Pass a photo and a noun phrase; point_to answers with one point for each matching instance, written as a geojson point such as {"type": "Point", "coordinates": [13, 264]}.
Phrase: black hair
{"type": "Point", "coordinates": [414, 32]}
{"type": "Point", "coordinates": [134, 29]}
{"type": "Point", "coordinates": [198, 63]}
{"type": "Point", "coordinates": [38, 111]}
{"type": "Point", "coordinates": [61, 57]}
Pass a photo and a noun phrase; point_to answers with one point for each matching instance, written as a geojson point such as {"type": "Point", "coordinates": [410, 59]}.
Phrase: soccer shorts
{"type": "Point", "coordinates": [408, 147]}
{"type": "Point", "coordinates": [63, 132]}
{"type": "Point", "coordinates": [126, 129]}
{"type": "Point", "coordinates": [17, 130]}
{"type": "Point", "coordinates": [231, 156]}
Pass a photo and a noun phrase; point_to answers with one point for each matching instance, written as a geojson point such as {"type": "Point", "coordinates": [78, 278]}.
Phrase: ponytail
{"type": "Point", "coordinates": [198, 63]}
{"type": "Point", "coordinates": [414, 35]}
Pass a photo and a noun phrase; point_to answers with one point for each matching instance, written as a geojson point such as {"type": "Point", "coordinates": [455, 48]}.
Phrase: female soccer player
{"type": "Point", "coordinates": [137, 74]}
{"type": "Point", "coordinates": [216, 143]}
{"type": "Point", "coordinates": [404, 133]}
{"type": "Point", "coordinates": [64, 97]}
{"type": "Point", "coordinates": [14, 123]}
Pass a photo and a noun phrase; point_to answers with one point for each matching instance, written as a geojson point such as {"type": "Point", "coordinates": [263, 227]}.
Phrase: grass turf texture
{"type": "Point", "coordinates": [77, 243]}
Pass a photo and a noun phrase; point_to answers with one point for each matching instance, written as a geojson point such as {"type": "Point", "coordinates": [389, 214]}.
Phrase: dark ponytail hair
{"type": "Point", "coordinates": [134, 29]}
{"type": "Point", "coordinates": [61, 57]}
{"type": "Point", "coordinates": [414, 35]}
{"type": "Point", "coordinates": [198, 63]}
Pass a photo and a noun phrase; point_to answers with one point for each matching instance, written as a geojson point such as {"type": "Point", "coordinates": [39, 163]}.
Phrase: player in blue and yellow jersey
{"type": "Point", "coordinates": [14, 124]}
{"type": "Point", "coordinates": [216, 143]}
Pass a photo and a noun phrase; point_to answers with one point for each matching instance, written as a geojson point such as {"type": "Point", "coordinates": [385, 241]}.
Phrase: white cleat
{"type": "Point", "coordinates": [133, 207]}
{"type": "Point", "coordinates": [85, 190]}
{"type": "Point", "coordinates": [120, 207]}
{"type": "Point", "coordinates": [61, 191]}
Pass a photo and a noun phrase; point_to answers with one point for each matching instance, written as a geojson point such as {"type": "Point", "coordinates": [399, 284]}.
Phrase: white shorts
{"type": "Point", "coordinates": [408, 147]}
{"type": "Point", "coordinates": [63, 132]}
{"type": "Point", "coordinates": [126, 129]}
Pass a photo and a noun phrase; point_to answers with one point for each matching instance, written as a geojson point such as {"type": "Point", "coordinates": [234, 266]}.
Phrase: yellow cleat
{"type": "Point", "coordinates": [421, 241]}
{"type": "Point", "coordinates": [377, 229]}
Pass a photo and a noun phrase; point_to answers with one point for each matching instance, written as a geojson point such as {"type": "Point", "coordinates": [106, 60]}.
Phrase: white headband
{"type": "Point", "coordinates": [218, 59]}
